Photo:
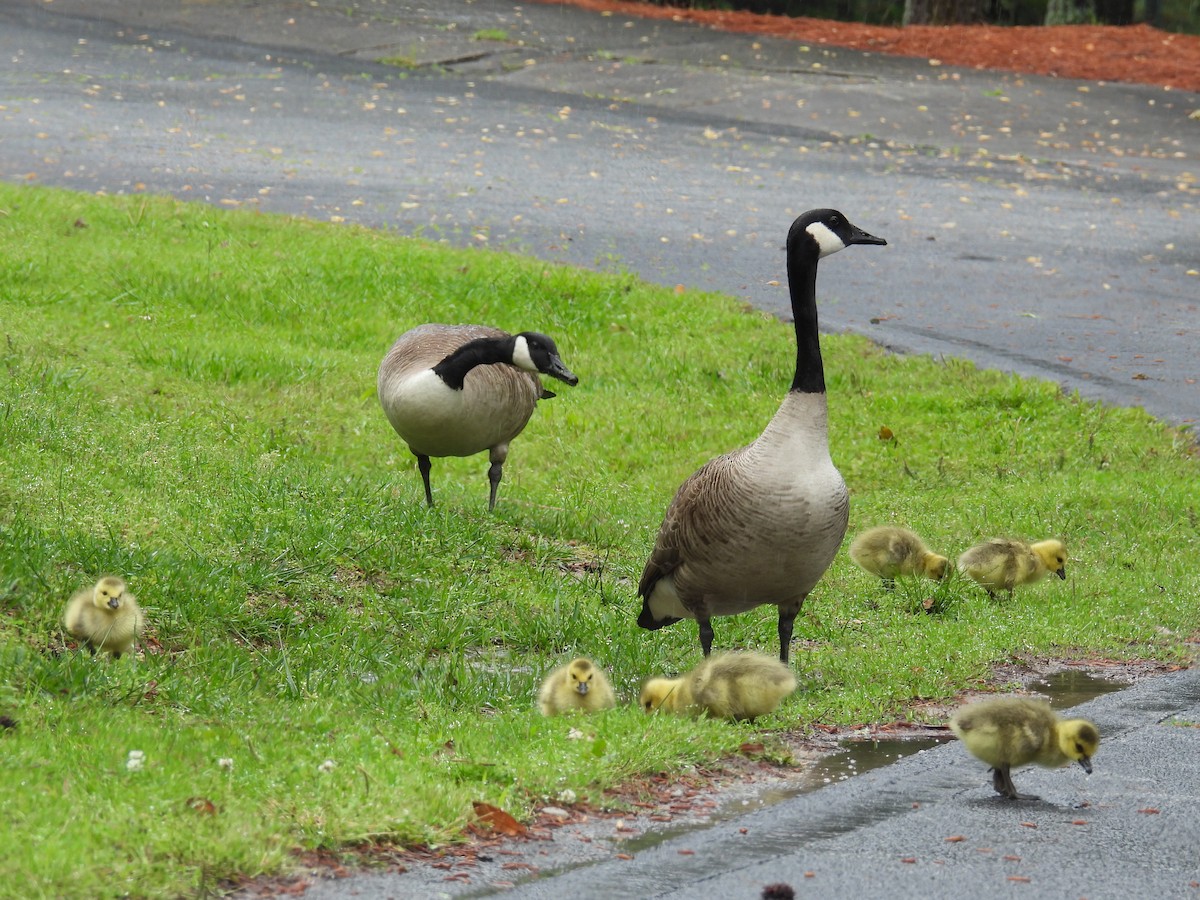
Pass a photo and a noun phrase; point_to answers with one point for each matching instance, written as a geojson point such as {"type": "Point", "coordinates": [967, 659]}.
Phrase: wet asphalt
{"type": "Point", "coordinates": [1038, 226]}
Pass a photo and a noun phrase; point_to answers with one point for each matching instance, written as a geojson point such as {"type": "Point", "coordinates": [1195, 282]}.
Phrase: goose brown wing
{"type": "Point", "coordinates": [681, 535]}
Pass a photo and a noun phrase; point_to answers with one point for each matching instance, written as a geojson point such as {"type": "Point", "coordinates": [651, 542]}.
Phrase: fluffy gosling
{"type": "Point", "coordinates": [729, 686]}
{"type": "Point", "coordinates": [1009, 732]}
{"type": "Point", "coordinates": [577, 685]}
{"type": "Point", "coordinates": [888, 551]}
{"type": "Point", "coordinates": [105, 617]}
{"type": "Point", "coordinates": [1001, 564]}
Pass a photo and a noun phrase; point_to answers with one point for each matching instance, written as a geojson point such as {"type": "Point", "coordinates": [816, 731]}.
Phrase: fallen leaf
{"type": "Point", "coordinates": [1029, 824]}
{"type": "Point", "coordinates": [886, 434]}
{"type": "Point", "coordinates": [955, 838]}
{"type": "Point", "coordinates": [497, 819]}
{"type": "Point", "coordinates": [202, 805]}
{"type": "Point", "coordinates": [1150, 811]}
{"type": "Point", "coordinates": [1024, 879]}
{"type": "Point", "coordinates": [749, 748]}
{"type": "Point", "coordinates": [686, 852]}
{"type": "Point", "coordinates": [908, 859]}
{"type": "Point", "coordinates": [1079, 821]}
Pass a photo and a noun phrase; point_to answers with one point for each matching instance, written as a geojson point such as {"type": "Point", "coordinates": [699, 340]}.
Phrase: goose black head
{"type": "Point", "coordinates": [535, 352]}
{"type": "Point", "coordinates": [827, 231]}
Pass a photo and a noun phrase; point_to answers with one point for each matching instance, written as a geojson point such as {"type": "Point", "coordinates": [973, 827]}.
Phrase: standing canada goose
{"type": "Point", "coordinates": [442, 390]}
{"type": "Point", "coordinates": [105, 617]}
{"type": "Point", "coordinates": [577, 685]}
{"type": "Point", "coordinates": [761, 524]}
{"type": "Point", "coordinates": [888, 551]}
{"type": "Point", "coordinates": [1000, 564]}
{"type": "Point", "coordinates": [1008, 732]}
{"type": "Point", "coordinates": [727, 686]}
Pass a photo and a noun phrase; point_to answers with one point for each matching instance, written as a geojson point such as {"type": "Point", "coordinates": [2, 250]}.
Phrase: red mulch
{"type": "Point", "coordinates": [1134, 53]}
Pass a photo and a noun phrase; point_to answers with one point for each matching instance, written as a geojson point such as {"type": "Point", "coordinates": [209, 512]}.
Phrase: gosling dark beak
{"type": "Point", "coordinates": [561, 372]}
{"type": "Point", "coordinates": [582, 687]}
{"type": "Point", "coordinates": [858, 236]}
{"type": "Point", "coordinates": [1086, 762]}
{"type": "Point", "coordinates": [113, 602]}
{"type": "Point", "coordinates": [1062, 573]}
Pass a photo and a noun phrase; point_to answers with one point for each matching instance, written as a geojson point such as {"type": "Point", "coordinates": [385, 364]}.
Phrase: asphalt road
{"type": "Point", "coordinates": [1037, 226]}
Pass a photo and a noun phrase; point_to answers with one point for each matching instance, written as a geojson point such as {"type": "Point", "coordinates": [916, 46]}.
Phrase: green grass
{"type": "Point", "coordinates": [187, 399]}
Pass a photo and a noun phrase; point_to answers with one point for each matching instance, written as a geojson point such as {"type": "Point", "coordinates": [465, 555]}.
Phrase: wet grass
{"type": "Point", "coordinates": [187, 399]}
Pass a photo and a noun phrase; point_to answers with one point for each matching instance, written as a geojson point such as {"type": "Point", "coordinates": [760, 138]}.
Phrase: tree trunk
{"type": "Point", "coordinates": [1070, 12]}
{"type": "Point", "coordinates": [943, 12]}
{"type": "Point", "coordinates": [1115, 12]}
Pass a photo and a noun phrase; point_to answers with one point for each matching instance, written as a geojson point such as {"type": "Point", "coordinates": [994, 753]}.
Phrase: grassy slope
{"type": "Point", "coordinates": [187, 399]}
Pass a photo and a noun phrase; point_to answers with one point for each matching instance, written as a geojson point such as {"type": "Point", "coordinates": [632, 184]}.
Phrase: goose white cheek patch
{"type": "Point", "coordinates": [825, 238]}
{"type": "Point", "coordinates": [521, 357]}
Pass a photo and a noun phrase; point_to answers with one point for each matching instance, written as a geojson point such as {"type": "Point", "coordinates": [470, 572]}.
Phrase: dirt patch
{"type": "Point", "coordinates": [1131, 53]}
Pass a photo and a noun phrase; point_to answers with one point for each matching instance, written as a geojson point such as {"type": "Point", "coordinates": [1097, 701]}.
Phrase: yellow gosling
{"type": "Point", "coordinates": [579, 685]}
{"type": "Point", "coordinates": [105, 617]}
{"type": "Point", "coordinates": [1009, 732]}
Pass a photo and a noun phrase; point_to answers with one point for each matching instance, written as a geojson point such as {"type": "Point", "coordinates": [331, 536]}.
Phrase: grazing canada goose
{"type": "Point", "coordinates": [728, 686]}
{"type": "Point", "coordinates": [888, 551]}
{"type": "Point", "coordinates": [445, 395]}
{"type": "Point", "coordinates": [105, 617]}
{"type": "Point", "coordinates": [577, 685]}
{"type": "Point", "coordinates": [1008, 732]}
{"type": "Point", "coordinates": [1000, 564]}
{"type": "Point", "coordinates": [761, 524]}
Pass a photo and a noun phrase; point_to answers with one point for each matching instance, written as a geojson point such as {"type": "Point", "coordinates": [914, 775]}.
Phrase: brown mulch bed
{"type": "Point", "coordinates": [1132, 53]}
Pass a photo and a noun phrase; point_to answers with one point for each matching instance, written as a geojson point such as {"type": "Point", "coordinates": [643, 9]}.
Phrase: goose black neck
{"type": "Point", "coordinates": [479, 352]}
{"type": "Point", "coordinates": [802, 282]}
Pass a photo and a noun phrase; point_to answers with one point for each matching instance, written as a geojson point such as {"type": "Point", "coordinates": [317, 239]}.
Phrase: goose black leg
{"type": "Point", "coordinates": [787, 618]}
{"type": "Point", "coordinates": [423, 465]}
{"type": "Point", "coordinates": [495, 473]}
{"type": "Point", "coordinates": [706, 635]}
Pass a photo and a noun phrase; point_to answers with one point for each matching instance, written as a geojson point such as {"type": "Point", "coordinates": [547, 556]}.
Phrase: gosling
{"type": "Point", "coordinates": [730, 686]}
{"type": "Point", "coordinates": [579, 685]}
{"type": "Point", "coordinates": [1009, 732]}
{"type": "Point", "coordinates": [888, 551]}
{"type": "Point", "coordinates": [1001, 564]}
{"type": "Point", "coordinates": [105, 617]}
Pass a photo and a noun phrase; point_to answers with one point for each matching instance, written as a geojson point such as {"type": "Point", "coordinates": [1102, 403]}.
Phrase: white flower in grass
{"type": "Point", "coordinates": [574, 735]}
{"type": "Point", "coordinates": [566, 796]}
{"type": "Point", "coordinates": [328, 766]}
{"type": "Point", "coordinates": [225, 762]}
{"type": "Point", "coordinates": [135, 761]}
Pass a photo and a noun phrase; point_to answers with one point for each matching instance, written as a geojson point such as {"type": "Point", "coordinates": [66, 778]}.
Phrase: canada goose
{"type": "Point", "coordinates": [761, 524]}
{"type": "Point", "coordinates": [105, 617]}
{"type": "Point", "coordinates": [441, 389]}
{"type": "Point", "coordinates": [1000, 564]}
{"type": "Point", "coordinates": [888, 551]}
{"type": "Point", "coordinates": [1013, 731]}
{"type": "Point", "coordinates": [577, 685]}
{"type": "Point", "coordinates": [727, 686]}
